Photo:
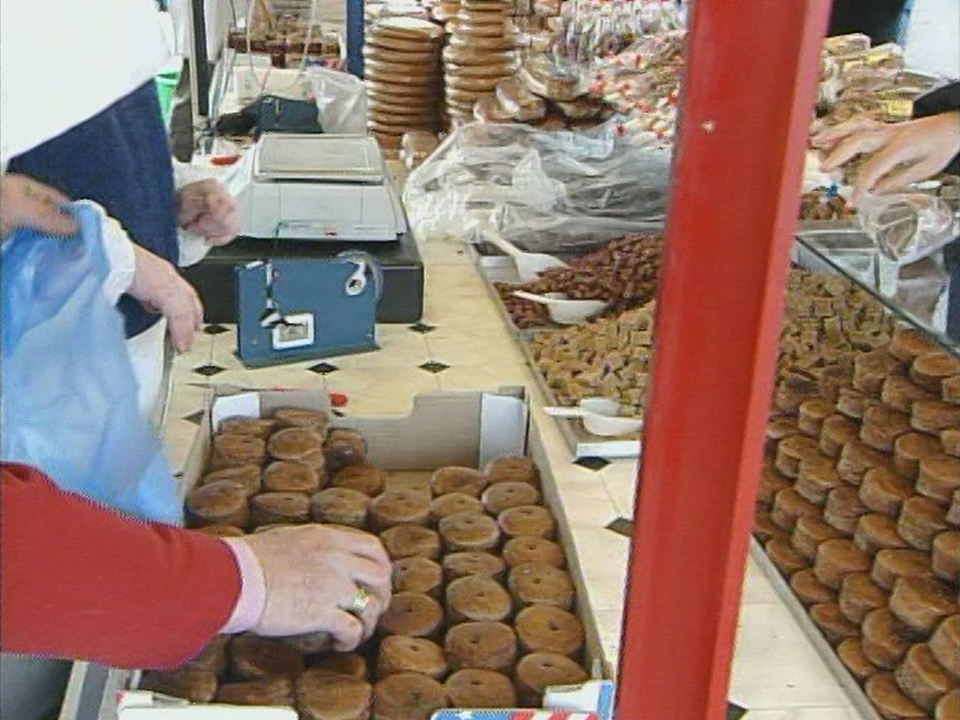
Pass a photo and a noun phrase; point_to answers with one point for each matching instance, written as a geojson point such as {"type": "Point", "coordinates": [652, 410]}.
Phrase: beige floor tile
{"type": "Point", "coordinates": [482, 377]}
{"type": "Point", "coordinates": [603, 560]}
{"type": "Point", "coordinates": [622, 489]}
{"type": "Point", "coordinates": [493, 349]}
{"type": "Point", "coordinates": [399, 347]}
{"type": "Point", "coordinates": [608, 627]}
{"type": "Point", "coordinates": [178, 436]}
{"type": "Point", "coordinates": [381, 392]}
{"type": "Point", "coordinates": [443, 252]}
{"type": "Point", "coordinates": [185, 400]}
{"type": "Point", "coordinates": [756, 587]}
{"type": "Point", "coordinates": [586, 505]}
{"type": "Point", "coordinates": [844, 712]}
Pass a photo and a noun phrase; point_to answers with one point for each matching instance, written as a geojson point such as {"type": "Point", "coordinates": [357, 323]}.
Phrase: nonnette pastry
{"type": "Point", "coordinates": [900, 393]}
{"type": "Point", "coordinates": [541, 628]}
{"type": "Point", "coordinates": [412, 614]}
{"type": "Point", "coordinates": [921, 520]}
{"type": "Point", "coordinates": [477, 599]}
{"type": "Point", "coordinates": [287, 476]}
{"type": "Point", "coordinates": [289, 508]}
{"type": "Point", "coordinates": [541, 584]}
{"type": "Point", "coordinates": [463, 564]}
{"type": "Point", "coordinates": [407, 696]}
{"type": "Point", "coordinates": [480, 689]}
{"type": "Point", "coordinates": [235, 450]}
{"type": "Point", "coordinates": [809, 533]}
{"type": "Point", "coordinates": [254, 427]}
{"type": "Point", "coordinates": [939, 477]}
{"type": "Point", "coordinates": [538, 671]}
{"type": "Point", "coordinates": [836, 432]}
{"type": "Point", "coordinates": [931, 369]}
{"type": "Point", "coordinates": [856, 459]}
{"type": "Point", "coordinates": [788, 505]}
{"type": "Point", "coordinates": [877, 532]}
{"type": "Point", "coordinates": [908, 343]}
{"type": "Point", "coordinates": [932, 416]}
{"type": "Point", "coordinates": [851, 654]}
{"type": "Point", "coordinates": [405, 541]}
{"type": "Point", "coordinates": [844, 509]}
{"type": "Point", "coordinates": [885, 639]}
{"type": "Point", "coordinates": [816, 478]}
{"type": "Point", "coordinates": [483, 645]}
{"type": "Point", "coordinates": [945, 645]}
{"type": "Point", "coordinates": [945, 559]}
{"type": "Point", "coordinates": [854, 403]}
{"type": "Point", "coordinates": [340, 506]}
{"type": "Point", "coordinates": [949, 706]}
{"type": "Point", "coordinates": [950, 390]}
{"type": "Point", "coordinates": [269, 692]}
{"type": "Point", "coordinates": [253, 658]}
{"type": "Point", "coordinates": [832, 623]}
{"type": "Point", "coordinates": [322, 695]}
{"type": "Point", "coordinates": [950, 439]}
{"type": "Point", "coordinates": [362, 477]}
{"type": "Point", "coordinates": [197, 686]}
{"type": "Point", "coordinates": [343, 447]}
{"type": "Point", "coordinates": [890, 564]}
{"type": "Point", "coordinates": [771, 482]}
{"type": "Point", "coordinates": [886, 696]}
{"type": "Point", "coordinates": [218, 503]}
{"type": "Point", "coordinates": [399, 654]}
{"type": "Point", "coordinates": [766, 529]}
{"type": "Point", "coordinates": [512, 469]}
{"type": "Point", "coordinates": [810, 590]}
{"type": "Point", "coordinates": [506, 495]}
{"type": "Point", "coordinates": [248, 476]}
{"type": "Point", "coordinates": [812, 414]}
{"type": "Point", "coordinates": [417, 574]}
{"type": "Point", "coordinates": [859, 596]}
{"type": "Point", "coordinates": [350, 664]}
{"type": "Point", "coordinates": [884, 492]}
{"type": "Point", "coordinates": [452, 504]}
{"type": "Point", "coordinates": [785, 557]}
{"type": "Point", "coordinates": [871, 369]}
{"type": "Point", "coordinates": [469, 531]}
{"type": "Point", "coordinates": [402, 506]}
{"type": "Point", "coordinates": [458, 480]}
{"type": "Point", "coordinates": [315, 420]}
{"type": "Point", "coordinates": [882, 426]}
{"type": "Point", "coordinates": [921, 603]}
{"type": "Point", "coordinates": [910, 449]}
{"type": "Point", "coordinates": [791, 450]}
{"type": "Point", "coordinates": [298, 444]}
{"type": "Point", "coordinates": [922, 678]}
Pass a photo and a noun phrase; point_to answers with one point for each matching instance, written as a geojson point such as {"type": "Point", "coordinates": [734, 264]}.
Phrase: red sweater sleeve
{"type": "Point", "coordinates": [81, 582]}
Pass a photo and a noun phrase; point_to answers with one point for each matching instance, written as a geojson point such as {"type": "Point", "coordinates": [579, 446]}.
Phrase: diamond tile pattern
{"type": "Point", "coordinates": [434, 367]}
{"type": "Point", "coordinates": [323, 368]}
{"type": "Point", "coordinates": [621, 526]}
{"type": "Point", "coordinates": [735, 712]}
{"type": "Point", "coordinates": [592, 463]}
{"type": "Point", "coordinates": [215, 329]}
{"type": "Point", "coordinates": [423, 328]}
{"type": "Point", "coordinates": [194, 417]}
{"type": "Point", "coordinates": [208, 370]}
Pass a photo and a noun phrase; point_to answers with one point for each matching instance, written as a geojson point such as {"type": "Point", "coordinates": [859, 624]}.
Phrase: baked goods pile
{"type": "Point", "coordinates": [401, 60]}
{"type": "Point", "coordinates": [859, 501]}
{"type": "Point", "coordinates": [482, 614]}
{"type": "Point", "coordinates": [289, 42]}
{"type": "Point", "coordinates": [823, 204]}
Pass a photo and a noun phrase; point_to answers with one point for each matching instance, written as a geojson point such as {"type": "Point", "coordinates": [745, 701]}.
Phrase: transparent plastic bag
{"type": "Point", "coordinates": [541, 190]}
{"type": "Point", "coordinates": [68, 396]}
{"type": "Point", "coordinates": [341, 102]}
{"type": "Point", "coordinates": [908, 227]}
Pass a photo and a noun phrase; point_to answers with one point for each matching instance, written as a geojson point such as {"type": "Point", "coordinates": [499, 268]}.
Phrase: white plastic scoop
{"type": "Point", "coordinates": [529, 265]}
{"type": "Point", "coordinates": [600, 417]}
{"type": "Point", "coordinates": [562, 309]}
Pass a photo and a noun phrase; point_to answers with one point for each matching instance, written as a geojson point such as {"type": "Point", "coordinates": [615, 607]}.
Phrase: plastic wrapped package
{"type": "Point", "coordinates": [545, 191]}
{"type": "Point", "coordinates": [847, 44]}
{"type": "Point", "coordinates": [489, 110]}
{"type": "Point", "coordinates": [548, 78]}
{"type": "Point", "coordinates": [908, 227]}
{"type": "Point", "coordinates": [519, 102]}
{"type": "Point", "coordinates": [341, 101]}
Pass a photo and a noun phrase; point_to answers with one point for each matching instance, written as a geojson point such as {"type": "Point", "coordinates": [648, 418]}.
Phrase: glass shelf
{"type": "Point", "coordinates": [915, 294]}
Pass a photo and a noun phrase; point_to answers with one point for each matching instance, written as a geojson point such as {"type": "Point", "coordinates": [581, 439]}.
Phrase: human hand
{"type": "Point", "coordinates": [311, 573]}
{"type": "Point", "coordinates": [903, 153]}
{"type": "Point", "coordinates": [158, 285]}
{"type": "Point", "coordinates": [26, 203]}
{"type": "Point", "coordinates": [205, 209]}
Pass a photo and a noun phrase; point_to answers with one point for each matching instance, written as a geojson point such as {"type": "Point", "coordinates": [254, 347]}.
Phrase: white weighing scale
{"type": "Point", "coordinates": [319, 187]}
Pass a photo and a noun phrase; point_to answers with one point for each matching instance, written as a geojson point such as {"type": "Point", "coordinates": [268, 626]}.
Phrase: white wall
{"type": "Point", "coordinates": [933, 40]}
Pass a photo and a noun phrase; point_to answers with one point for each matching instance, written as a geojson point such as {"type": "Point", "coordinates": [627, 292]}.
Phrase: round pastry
{"type": "Point", "coordinates": [310, 643]}
{"type": "Point", "coordinates": [945, 644]}
{"type": "Point", "coordinates": [349, 664]}
{"type": "Point", "coordinates": [843, 509]}
{"type": "Point", "coordinates": [374, 53]}
{"type": "Point", "coordinates": [254, 427]}
{"type": "Point", "coordinates": [224, 531]}
{"type": "Point", "coordinates": [299, 445]}
{"type": "Point", "coordinates": [480, 689]}
{"type": "Point", "coordinates": [362, 477]}
{"type": "Point", "coordinates": [541, 628]}
{"type": "Point", "coordinates": [921, 520]}
{"type": "Point", "coordinates": [279, 507]}
{"type": "Point", "coordinates": [541, 584]}
{"type": "Point", "coordinates": [287, 476]}
{"type": "Point", "coordinates": [407, 696]}
{"type": "Point", "coordinates": [315, 420]}
{"type": "Point", "coordinates": [831, 379]}
{"type": "Point", "coordinates": [810, 590]}
{"type": "Point", "coordinates": [890, 564]}
{"type": "Point", "coordinates": [835, 627]}
{"type": "Point", "coordinates": [506, 495]}
{"type": "Point", "coordinates": [945, 559]}
{"type": "Point", "coordinates": [892, 704]}
{"type": "Point", "coordinates": [465, 564]}
{"type": "Point", "coordinates": [950, 390]}
{"type": "Point", "coordinates": [950, 439]}
{"type": "Point", "coordinates": [922, 678]}
{"type": "Point", "coordinates": [417, 574]}
{"type": "Point", "coordinates": [853, 658]}
{"type": "Point", "coordinates": [876, 532]}
{"type": "Point", "coordinates": [322, 695]}
{"type": "Point", "coordinates": [885, 639]}
{"type": "Point", "coordinates": [527, 520]}
{"type": "Point", "coordinates": [482, 645]}
{"type": "Point", "coordinates": [809, 533]}
{"type": "Point", "coordinates": [269, 692]}
{"type": "Point", "coordinates": [930, 369]}
{"type": "Point", "coordinates": [788, 506]}
{"type": "Point", "coordinates": [341, 507]}
{"type": "Point", "coordinates": [900, 393]}
{"type": "Point", "coordinates": [404, 541]}
{"type": "Point", "coordinates": [939, 477]}
{"type": "Point", "coordinates": [213, 658]}
{"type": "Point", "coordinates": [791, 450]}
{"type": "Point", "coordinates": [399, 654]}
{"type": "Point", "coordinates": [921, 603]}
{"type": "Point", "coordinates": [385, 88]}
{"type": "Point", "coordinates": [197, 686]}
{"type": "Point", "coordinates": [403, 506]}
{"type": "Point", "coordinates": [949, 706]}
{"type": "Point", "coordinates": [870, 369]}
{"type": "Point", "coordinates": [812, 414]}
{"type": "Point", "coordinates": [426, 119]}
{"type": "Point", "coordinates": [528, 548]}
{"type": "Point", "coordinates": [458, 480]}
{"type": "Point", "coordinates": [837, 431]}
{"type": "Point", "coordinates": [771, 482]}
{"type": "Point", "coordinates": [766, 529]}
{"type": "Point", "coordinates": [778, 429]}
{"type": "Point", "coordinates": [268, 528]}
{"type": "Point", "coordinates": [859, 596]}
{"type": "Point", "coordinates": [932, 416]}
{"type": "Point", "coordinates": [342, 448]}
{"type": "Point", "coordinates": [785, 557]}
{"type": "Point", "coordinates": [882, 426]}
{"type": "Point", "coordinates": [816, 478]}
{"type": "Point", "coordinates": [792, 391]}
{"type": "Point", "coordinates": [469, 531]}
{"type": "Point", "coordinates": [407, 27]}
{"type": "Point", "coordinates": [856, 459]}
{"type": "Point", "coordinates": [953, 514]}
{"type": "Point", "coordinates": [255, 657]}
{"type": "Point", "coordinates": [838, 558]}
{"type": "Point", "coordinates": [884, 492]}
{"type": "Point", "coordinates": [218, 503]}
{"type": "Point", "coordinates": [538, 671]}
{"type": "Point", "coordinates": [908, 343]}
{"type": "Point", "coordinates": [236, 450]}
{"type": "Point", "coordinates": [412, 614]}
{"type": "Point", "coordinates": [853, 403]}
{"type": "Point", "coordinates": [512, 469]}
{"type": "Point", "coordinates": [248, 476]}
{"type": "Point", "coordinates": [452, 504]}
{"type": "Point", "coordinates": [498, 69]}
{"type": "Point", "coordinates": [477, 599]}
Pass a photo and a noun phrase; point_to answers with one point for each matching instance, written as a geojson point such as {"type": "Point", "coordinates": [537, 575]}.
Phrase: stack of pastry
{"type": "Point", "coordinates": [482, 51]}
{"type": "Point", "coordinates": [402, 70]}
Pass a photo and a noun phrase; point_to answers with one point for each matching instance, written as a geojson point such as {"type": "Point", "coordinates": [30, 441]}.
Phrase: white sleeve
{"type": "Point", "coordinates": [193, 248]}
{"type": "Point", "coordinates": [119, 250]}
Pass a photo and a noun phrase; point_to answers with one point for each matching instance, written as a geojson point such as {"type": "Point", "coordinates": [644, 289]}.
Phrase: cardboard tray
{"type": "Point", "coordinates": [464, 428]}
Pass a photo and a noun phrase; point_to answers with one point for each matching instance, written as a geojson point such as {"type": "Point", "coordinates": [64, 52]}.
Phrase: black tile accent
{"type": "Point", "coordinates": [194, 417]}
{"type": "Point", "coordinates": [423, 328]}
{"type": "Point", "coordinates": [734, 711]}
{"type": "Point", "coordinates": [323, 368]}
{"type": "Point", "coordinates": [621, 526]}
{"type": "Point", "coordinates": [208, 370]}
{"type": "Point", "coordinates": [434, 367]}
{"type": "Point", "coordinates": [339, 413]}
{"type": "Point", "coordinates": [592, 463]}
{"type": "Point", "coordinates": [215, 329]}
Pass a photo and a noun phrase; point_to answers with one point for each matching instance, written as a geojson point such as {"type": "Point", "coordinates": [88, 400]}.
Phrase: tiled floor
{"type": "Point", "coordinates": [462, 343]}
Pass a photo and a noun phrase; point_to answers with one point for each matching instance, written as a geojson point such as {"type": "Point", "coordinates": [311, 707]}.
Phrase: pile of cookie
{"type": "Point", "coordinates": [859, 501]}
{"type": "Point", "coordinates": [482, 614]}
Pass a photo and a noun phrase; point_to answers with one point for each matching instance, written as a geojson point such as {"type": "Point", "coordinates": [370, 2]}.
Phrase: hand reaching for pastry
{"type": "Point", "coordinates": [312, 573]}
{"type": "Point", "coordinates": [158, 285]}
{"type": "Point", "coordinates": [902, 153]}
{"type": "Point", "coordinates": [27, 203]}
{"type": "Point", "coordinates": [206, 209]}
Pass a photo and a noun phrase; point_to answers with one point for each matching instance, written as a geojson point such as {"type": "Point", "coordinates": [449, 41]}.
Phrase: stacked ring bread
{"type": "Point", "coordinates": [483, 611]}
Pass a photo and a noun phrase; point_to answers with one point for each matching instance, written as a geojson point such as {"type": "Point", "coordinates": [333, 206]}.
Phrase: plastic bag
{"type": "Point", "coordinates": [341, 101]}
{"type": "Point", "coordinates": [542, 190]}
{"type": "Point", "coordinates": [68, 397]}
{"type": "Point", "coordinates": [908, 227]}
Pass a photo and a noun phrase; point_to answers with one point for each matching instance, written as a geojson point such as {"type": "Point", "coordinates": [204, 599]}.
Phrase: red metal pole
{"type": "Point", "coordinates": [746, 108]}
